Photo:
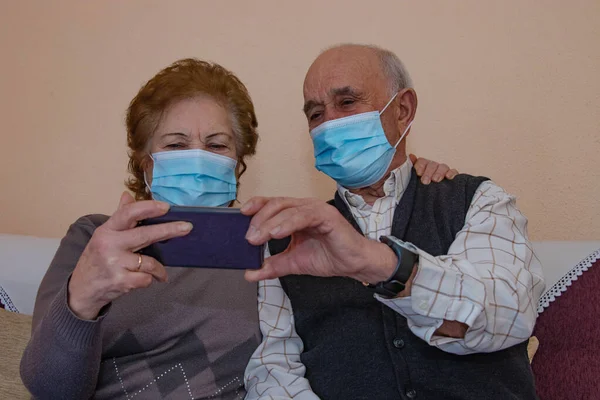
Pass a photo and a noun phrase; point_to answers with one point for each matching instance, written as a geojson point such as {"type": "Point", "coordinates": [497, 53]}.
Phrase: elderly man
{"type": "Point", "coordinates": [398, 289]}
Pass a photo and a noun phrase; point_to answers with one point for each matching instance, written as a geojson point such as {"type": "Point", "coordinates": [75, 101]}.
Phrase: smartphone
{"type": "Point", "coordinates": [216, 241]}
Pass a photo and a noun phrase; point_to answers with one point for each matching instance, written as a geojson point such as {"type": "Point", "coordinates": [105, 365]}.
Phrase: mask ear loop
{"type": "Point", "coordinates": [407, 128]}
{"type": "Point", "coordinates": [404, 134]}
{"type": "Point", "coordinates": [388, 103]}
{"type": "Point", "coordinates": [146, 180]}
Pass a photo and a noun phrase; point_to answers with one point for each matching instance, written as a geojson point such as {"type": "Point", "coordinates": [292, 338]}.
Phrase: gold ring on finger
{"type": "Point", "coordinates": [139, 266]}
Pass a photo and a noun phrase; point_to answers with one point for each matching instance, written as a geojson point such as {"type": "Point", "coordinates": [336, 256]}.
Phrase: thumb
{"type": "Point", "coordinates": [126, 198]}
{"type": "Point", "coordinates": [274, 267]}
{"type": "Point", "coordinates": [413, 158]}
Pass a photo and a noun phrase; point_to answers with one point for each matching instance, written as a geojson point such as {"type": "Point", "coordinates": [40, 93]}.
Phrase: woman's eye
{"type": "Point", "coordinates": [174, 146]}
{"type": "Point", "coordinates": [217, 146]}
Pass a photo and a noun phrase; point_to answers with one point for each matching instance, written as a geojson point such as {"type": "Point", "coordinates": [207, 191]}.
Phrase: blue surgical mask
{"type": "Point", "coordinates": [354, 150]}
{"type": "Point", "coordinates": [193, 178]}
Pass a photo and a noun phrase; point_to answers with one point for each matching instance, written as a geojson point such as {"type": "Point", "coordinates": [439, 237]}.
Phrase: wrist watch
{"type": "Point", "coordinates": [407, 258]}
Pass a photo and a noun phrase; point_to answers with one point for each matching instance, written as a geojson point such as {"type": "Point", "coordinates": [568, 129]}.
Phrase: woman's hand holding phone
{"type": "Point", "coordinates": [109, 266]}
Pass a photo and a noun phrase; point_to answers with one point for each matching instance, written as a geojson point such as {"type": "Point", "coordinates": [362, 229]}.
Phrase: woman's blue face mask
{"type": "Point", "coordinates": [193, 178]}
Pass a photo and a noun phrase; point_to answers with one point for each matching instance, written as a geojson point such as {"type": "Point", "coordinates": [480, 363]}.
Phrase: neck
{"type": "Point", "coordinates": [370, 194]}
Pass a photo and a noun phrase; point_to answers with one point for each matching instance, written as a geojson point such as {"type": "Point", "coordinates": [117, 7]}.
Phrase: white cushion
{"type": "Point", "coordinates": [23, 263]}
{"type": "Point", "coordinates": [25, 259]}
{"type": "Point", "coordinates": [559, 257]}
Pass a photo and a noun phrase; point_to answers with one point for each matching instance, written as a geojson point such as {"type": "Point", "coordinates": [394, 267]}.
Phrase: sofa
{"type": "Point", "coordinates": [24, 260]}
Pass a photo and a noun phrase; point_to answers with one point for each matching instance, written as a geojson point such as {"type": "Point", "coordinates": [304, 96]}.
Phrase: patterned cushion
{"type": "Point", "coordinates": [566, 365]}
{"type": "Point", "coordinates": [5, 301]}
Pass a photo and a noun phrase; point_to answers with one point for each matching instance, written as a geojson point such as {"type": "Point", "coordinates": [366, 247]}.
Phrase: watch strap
{"type": "Point", "coordinates": [406, 261]}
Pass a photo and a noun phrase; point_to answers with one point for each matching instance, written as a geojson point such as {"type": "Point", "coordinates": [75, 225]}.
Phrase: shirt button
{"type": "Point", "coordinates": [411, 394]}
{"type": "Point", "coordinates": [424, 305]}
{"type": "Point", "coordinates": [398, 343]}
{"type": "Point", "coordinates": [378, 219]}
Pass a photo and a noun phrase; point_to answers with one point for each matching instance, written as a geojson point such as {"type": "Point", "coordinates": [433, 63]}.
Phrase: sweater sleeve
{"type": "Point", "coordinates": [62, 358]}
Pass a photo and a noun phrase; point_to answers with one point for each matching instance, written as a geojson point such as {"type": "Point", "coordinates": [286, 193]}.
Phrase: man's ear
{"type": "Point", "coordinates": [407, 107]}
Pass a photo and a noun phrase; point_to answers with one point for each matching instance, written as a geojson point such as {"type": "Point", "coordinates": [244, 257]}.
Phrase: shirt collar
{"type": "Point", "coordinates": [394, 187]}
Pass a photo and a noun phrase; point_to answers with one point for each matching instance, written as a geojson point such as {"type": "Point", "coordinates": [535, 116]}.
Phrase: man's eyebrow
{"type": "Point", "coordinates": [341, 91]}
{"type": "Point", "coordinates": [309, 105]}
{"type": "Point", "coordinates": [346, 90]}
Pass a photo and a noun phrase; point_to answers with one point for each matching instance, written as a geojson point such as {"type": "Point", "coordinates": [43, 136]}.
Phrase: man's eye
{"type": "Point", "coordinates": [314, 116]}
{"type": "Point", "coordinates": [347, 102]}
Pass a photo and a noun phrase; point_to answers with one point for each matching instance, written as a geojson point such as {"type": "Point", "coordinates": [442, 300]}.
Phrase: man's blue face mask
{"type": "Point", "coordinates": [354, 150]}
{"type": "Point", "coordinates": [193, 178]}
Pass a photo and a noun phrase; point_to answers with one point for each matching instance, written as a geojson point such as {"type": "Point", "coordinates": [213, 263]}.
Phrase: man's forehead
{"type": "Point", "coordinates": [339, 70]}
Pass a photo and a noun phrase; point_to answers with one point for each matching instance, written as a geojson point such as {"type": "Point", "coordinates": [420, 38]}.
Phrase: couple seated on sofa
{"type": "Point", "coordinates": [444, 316]}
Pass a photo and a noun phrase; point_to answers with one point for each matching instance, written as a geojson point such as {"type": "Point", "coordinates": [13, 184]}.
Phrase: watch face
{"type": "Point", "coordinates": [408, 246]}
{"type": "Point", "coordinates": [411, 247]}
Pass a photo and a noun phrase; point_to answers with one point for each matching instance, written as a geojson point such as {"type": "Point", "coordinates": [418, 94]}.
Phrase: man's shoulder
{"type": "Point", "coordinates": [454, 195]}
{"type": "Point", "coordinates": [460, 183]}
{"type": "Point", "coordinates": [460, 179]}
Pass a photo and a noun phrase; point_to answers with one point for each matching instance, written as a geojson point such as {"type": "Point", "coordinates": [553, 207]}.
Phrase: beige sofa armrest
{"type": "Point", "coordinates": [14, 335]}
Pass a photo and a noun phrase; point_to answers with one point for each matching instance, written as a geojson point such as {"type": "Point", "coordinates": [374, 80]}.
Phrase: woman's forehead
{"type": "Point", "coordinates": [200, 115]}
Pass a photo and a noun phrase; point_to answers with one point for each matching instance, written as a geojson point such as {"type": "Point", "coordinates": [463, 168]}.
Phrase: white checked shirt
{"type": "Point", "coordinates": [490, 280]}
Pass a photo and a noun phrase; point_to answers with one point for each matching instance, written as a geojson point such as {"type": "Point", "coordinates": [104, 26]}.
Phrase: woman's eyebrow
{"type": "Point", "coordinates": [179, 134]}
{"type": "Point", "coordinates": [211, 135]}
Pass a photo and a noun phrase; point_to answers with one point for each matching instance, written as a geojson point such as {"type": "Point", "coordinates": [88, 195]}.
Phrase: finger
{"type": "Point", "coordinates": [126, 198]}
{"type": "Point", "coordinates": [269, 209]}
{"type": "Point", "coordinates": [440, 172]}
{"type": "Point", "coordinates": [147, 264]}
{"type": "Point", "coordinates": [135, 280]}
{"type": "Point", "coordinates": [255, 275]}
{"type": "Point", "coordinates": [151, 266]}
{"type": "Point", "coordinates": [285, 223]}
{"type": "Point", "coordinates": [292, 221]}
{"type": "Point", "coordinates": [451, 174]}
{"type": "Point", "coordinates": [429, 171]}
{"type": "Point", "coordinates": [143, 236]}
{"type": "Point", "coordinates": [413, 158]}
{"type": "Point", "coordinates": [254, 204]}
{"type": "Point", "coordinates": [274, 267]}
{"type": "Point", "coordinates": [128, 215]}
{"type": "Point", "coordinates": [420, 164]}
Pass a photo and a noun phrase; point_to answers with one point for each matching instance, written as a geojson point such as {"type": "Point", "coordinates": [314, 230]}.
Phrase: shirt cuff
{"type": "Point", "coordinates": [437, 294]}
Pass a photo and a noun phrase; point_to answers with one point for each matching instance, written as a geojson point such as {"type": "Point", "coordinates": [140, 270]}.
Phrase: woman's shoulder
{"type": "Point", "coordinates": [83, 228]}
{"type": "Point", "coordinates": [91, 221]}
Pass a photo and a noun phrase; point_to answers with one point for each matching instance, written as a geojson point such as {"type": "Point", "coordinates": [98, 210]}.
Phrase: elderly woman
{"type": "Point", "coordinates": [186, 333]}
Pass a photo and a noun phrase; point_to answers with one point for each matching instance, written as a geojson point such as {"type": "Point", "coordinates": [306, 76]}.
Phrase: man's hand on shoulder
{"type": "Point", "coordinates": [431, 171]}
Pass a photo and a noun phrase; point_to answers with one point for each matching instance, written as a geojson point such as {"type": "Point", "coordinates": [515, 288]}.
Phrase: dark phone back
{"type": "Point", "coordinates": [216, 241]}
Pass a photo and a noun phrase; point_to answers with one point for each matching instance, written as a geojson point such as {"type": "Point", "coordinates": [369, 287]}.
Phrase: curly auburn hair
{"type": "Point", "coordinates": [185, 79]}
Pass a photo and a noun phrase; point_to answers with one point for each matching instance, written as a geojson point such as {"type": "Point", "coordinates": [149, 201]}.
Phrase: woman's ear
{"type": "Point", "coordinates": [147, 165]}
{"type": "Point", "coordinates": [240, 168]}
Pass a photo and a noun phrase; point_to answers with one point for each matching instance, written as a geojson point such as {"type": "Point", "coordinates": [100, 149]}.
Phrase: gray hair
{"type": "Point", "coordinates": [393, 68]}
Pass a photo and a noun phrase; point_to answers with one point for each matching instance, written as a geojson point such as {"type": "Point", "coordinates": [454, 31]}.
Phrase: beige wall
{"type": "Point", "coordinates": [506, 89]}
